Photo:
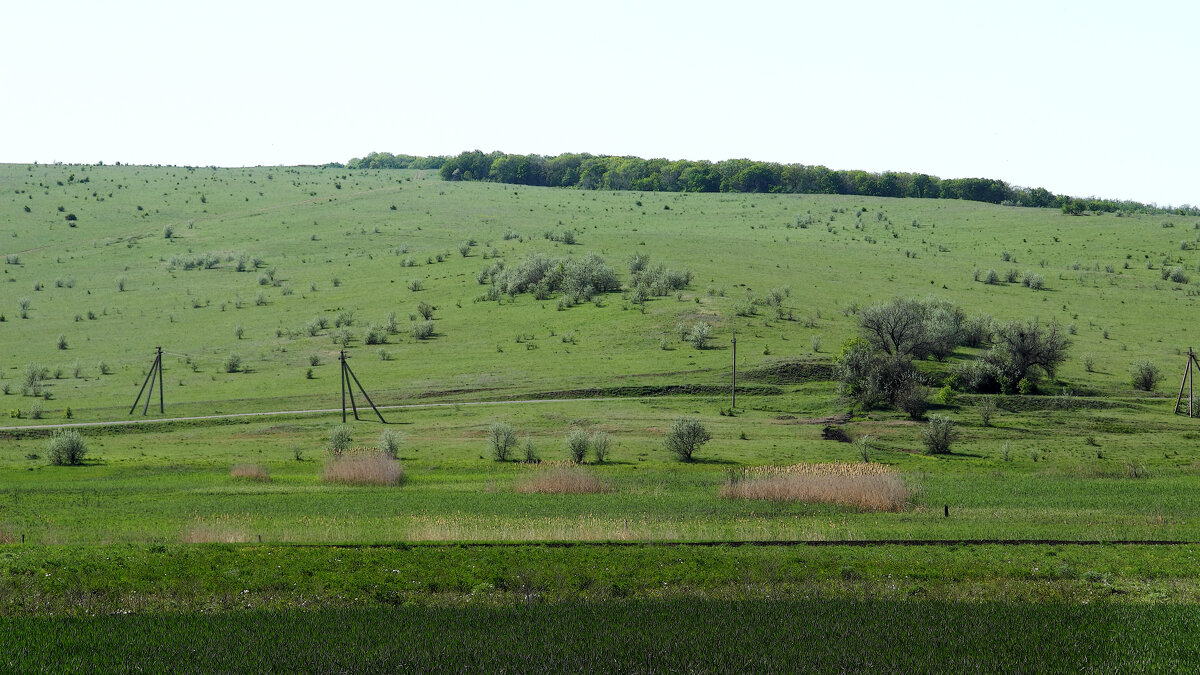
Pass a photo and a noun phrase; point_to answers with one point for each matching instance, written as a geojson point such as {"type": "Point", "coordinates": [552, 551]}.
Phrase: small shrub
{"type": "Point", "coordinates": [1145, 375]}
{"type": "Point", "coordinates": [389, 443]}
{"type": "Point", "coordinates": [686, 436]}
{"type": "Point", "coordinates": [863, 446]}
{"type": "Point", "coordinates": [66, 447]}
{"type": "Point", "coordinates": [987, 409]}
{"type": "Point", "coordinates": [939, 435]}
{"type": "Point", "coordinates": [911, 398]}
{"type": "Point", "coordinates": [376, 335]}
{"type": "Point", "coordinates": [1089, 363]}
{"type": "Point", "coordinates": [339, 439]}
{"type": "Point", "coordinates": [416, 285]}
{"type": "Point", "coordinates": [238, 332]}
{"type": "Point", "coordinates": [422, 330]}
{"type": "Point", "coordinates": [254, 472]}
{"type": "Point", "coordinates": [502, 440]}
{"type": "Point", "coordinates": [946, 396]}
{"type": "Point", "coordinates": [531, 455]}
{"type": "Point", "coordinates": [62, 341]}
{"type": "Point", "coordinates": [601, 443]}
{"type": "Point", "coordinates": [578, 442]}
{"type": "Point", "coordinates": [699, 335]}
{"type": "Point", "coordinates": [232, 363]}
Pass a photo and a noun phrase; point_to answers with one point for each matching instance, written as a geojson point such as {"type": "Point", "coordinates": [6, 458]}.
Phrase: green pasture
{"type": "Point", "coordinates": [644, 636]}
{"type": "Point", "coordinates": [1123, 473]}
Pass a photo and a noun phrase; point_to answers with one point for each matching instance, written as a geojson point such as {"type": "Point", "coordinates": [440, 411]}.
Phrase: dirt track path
{"type": "Point", "coordinates": [363, 412]}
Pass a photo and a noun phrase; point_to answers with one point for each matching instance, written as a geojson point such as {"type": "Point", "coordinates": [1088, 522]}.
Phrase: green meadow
{"type": "Point", "coordinates": [253, 280]}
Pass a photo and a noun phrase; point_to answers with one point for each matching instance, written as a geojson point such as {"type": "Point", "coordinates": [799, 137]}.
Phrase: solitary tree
{"type": "Point", "coordinates": [502, 440]}
{"type": "Point", "coordinates": [1018, 347]}
{"type": "Point", "coordinates": [686, 436]}
{"type": "Point", "coordinates": [897, 327]}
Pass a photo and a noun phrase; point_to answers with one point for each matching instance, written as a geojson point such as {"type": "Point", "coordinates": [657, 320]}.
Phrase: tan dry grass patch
{"type": "Point", "coordinates": [362, 467]}
{"type": "Point", "coordinates": [6, 535]}
{"type": "Point", "coordinates": [255, 472]}
{"type": "Point", "coordinates": [553, 478]}
{"type": "Point", "coordinates": [869, 487]}
{"type": "Point", "coordinates": [222, 529]}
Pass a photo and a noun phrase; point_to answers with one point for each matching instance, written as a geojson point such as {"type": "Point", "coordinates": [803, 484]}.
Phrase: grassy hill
{"type": "Point", "coordinates": [321, 243]}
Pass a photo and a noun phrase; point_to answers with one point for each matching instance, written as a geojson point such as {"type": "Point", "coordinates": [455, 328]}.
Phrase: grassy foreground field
{"type": "Point", "coordinates": [103, 264]}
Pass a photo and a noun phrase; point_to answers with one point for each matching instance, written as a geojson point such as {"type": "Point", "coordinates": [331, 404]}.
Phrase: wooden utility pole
{"type": "Point", "coordinates": [1187, 382]}
{"type": "Point", "coordinates": [348, 388]}
{"type": "Point", "coordinates": [155, 370]}
{"type": "Point", "coordinates": [733, 380]}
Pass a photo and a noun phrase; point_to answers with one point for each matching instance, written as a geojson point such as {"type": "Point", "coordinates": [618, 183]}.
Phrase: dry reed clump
{"type": "Point", "coordinates": [255, 472]}
{"type": "Point", "coordinates": [362, 466]}
{"type": "Point", "coordinates": [6, 535]}
{"type": "Point", "coordinates": [555, 478]}
{"type": "Point", "coordinates": [870, 487]}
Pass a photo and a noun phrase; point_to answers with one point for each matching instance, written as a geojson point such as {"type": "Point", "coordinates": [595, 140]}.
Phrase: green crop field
{"type": "Point", "coordinates": [253, 280]}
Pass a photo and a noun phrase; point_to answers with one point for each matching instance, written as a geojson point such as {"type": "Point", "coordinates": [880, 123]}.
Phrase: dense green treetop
{"type": "Point", "coordinates": [606, 172]}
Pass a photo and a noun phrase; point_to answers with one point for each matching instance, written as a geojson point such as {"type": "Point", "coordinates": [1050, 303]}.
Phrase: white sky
{"type": "Point", "coordinates": [1083, 98]}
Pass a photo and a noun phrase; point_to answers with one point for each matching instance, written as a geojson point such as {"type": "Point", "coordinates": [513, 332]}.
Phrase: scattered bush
{"type": "Point", "coordinates": [531, 455]}
{"type": "Point", "coordinates": [686, 436]}
{"type": "Point", "coordinates": [389, 443]}
{"type": "Point", "coordinates": [376, 335]}
{"type": "Point", "coordinates": [232, 363]}
{"type": "Point", "coordinates": [254, 472]}
{"type": "Point", "coordinates": [577, 279]}
{"type": "Point", "coordinates": [339, 439]}
{"type": "Point", "coordinates": [946, 396]}
{"type": "Point", "coordinates": [502, 440]}
{"type": "Point", "coordinates": [66, 447]}
{"type": "Point", "coordinates": [939, 435]}
{"type": "Point", "coordinates": [601, 443]}
{"type": "Point", "coordinates": [911, 397]}
{"type": "Point", "coordinates": [578, 442]}
{"type": "Point", "coordinates": [699, 335]}
{"type": "Point", "coordinates": [987, 409]}
{"type": "Point", "coordinates": [1145, 375]}
{"type": "Point", "coordinates": [422, 330]}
